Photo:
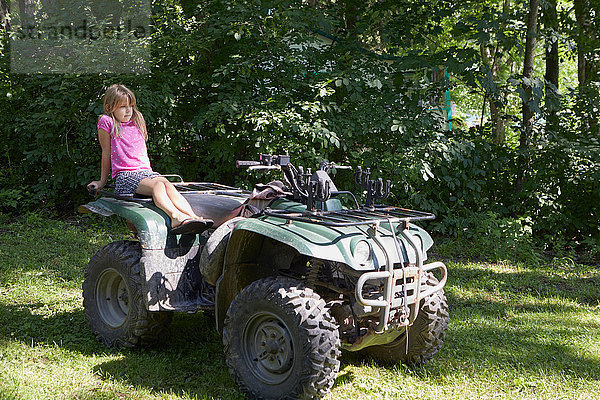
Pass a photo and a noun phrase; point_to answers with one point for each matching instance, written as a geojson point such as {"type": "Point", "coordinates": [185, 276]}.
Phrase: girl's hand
{"type": "Point", "coordinates": [94, 186]}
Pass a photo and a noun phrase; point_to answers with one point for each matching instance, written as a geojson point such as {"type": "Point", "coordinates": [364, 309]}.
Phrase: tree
{"type": "Point", "coordinates": [588, 58]}
{"type": "Point", "coordinates": [4, 23]}
{"type": "Point", "coordinates": [550, 21]}
{"type": "Point", "coordinates": [528, 114]}
{"type": "Point", "coordinates": [498, 118]}
{"type": "Point", "coordinates": [588, 64]}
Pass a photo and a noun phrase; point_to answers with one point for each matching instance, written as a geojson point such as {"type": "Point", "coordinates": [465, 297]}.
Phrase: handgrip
{"type": "Point", "coordinates": [92, 190]}
{"type": "Point", "coordinates": [240, 163]}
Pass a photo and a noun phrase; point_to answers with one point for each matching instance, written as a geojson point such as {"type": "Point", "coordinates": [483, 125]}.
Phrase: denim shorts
{"type": "Point", "coordinates": [127, 182]}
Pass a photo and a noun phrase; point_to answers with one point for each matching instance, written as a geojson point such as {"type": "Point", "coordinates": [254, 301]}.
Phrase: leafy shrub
{"type": "Point", "coordinates": [486, 236]}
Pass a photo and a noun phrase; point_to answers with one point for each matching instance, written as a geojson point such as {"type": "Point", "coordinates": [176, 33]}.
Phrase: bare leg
{"type": "Point", "coordinates": [158, 190]}
{"type": "Point", "coordinates": [179, 201]}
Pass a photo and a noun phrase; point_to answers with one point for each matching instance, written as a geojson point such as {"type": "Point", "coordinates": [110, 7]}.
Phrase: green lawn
{"type": "Point", "coordinates": [516, 332]}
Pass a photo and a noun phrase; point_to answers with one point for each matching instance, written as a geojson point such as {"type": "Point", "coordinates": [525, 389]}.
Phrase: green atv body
{"type": "Point", "coordinates": [261, 266]}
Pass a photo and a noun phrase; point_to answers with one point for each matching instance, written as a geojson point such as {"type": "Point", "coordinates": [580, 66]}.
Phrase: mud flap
{"type": "Point", "coordinates": [213, 253]}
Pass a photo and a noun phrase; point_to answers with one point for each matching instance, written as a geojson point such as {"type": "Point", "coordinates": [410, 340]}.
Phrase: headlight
{"type": "Point", "coordinates": [362, 252]}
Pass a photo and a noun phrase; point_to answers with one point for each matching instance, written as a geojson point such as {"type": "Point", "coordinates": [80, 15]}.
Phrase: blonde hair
{"type": "Point", "coordinates": [114, 96]}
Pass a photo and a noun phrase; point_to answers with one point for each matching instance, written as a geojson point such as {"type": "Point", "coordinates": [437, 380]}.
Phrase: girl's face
{"type": "Point", "coordinates": [123, 112]}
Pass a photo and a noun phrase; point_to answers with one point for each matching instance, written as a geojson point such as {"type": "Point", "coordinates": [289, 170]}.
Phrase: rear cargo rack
{"type": "Point", "coordinates": [352, 217]}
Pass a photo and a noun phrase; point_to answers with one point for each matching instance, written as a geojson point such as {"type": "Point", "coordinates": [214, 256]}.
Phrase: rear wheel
{"type": "Point", "coordinates": [280, 341]}
{"type": "Point", "coordinates": [113, 299]}
{"type": "Point", "coordinates": [425, 336]}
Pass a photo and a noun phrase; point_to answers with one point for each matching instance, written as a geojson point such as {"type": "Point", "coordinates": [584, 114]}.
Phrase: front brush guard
{"type": "Point", "coordinates": [410, 293]}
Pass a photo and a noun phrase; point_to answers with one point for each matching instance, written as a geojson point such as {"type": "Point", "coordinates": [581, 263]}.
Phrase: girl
{"type": "Point", "coordinates": [122, 134]}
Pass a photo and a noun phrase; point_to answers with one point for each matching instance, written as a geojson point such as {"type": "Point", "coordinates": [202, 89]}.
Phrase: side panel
{"type": "Point", "coordinates": [173, 280]}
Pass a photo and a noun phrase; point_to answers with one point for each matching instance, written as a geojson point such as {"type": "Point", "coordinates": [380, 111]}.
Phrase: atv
{"type": "Point", "coordinates": [294, 271]}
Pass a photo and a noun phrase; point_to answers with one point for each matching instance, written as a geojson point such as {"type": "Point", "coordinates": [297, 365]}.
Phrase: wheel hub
{"type": "Point", "coordinates": [112, 298]}
{"type": "Point", "coordinates": [269, 348]}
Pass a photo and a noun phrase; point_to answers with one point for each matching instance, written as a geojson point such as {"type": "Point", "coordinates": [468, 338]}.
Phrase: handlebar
{"type": "Point", "coordinates": [267, 167]}
{"type": "Point", "coordinates": [266, 160]}
{"type": "Point", "coordinates": [328, 166]}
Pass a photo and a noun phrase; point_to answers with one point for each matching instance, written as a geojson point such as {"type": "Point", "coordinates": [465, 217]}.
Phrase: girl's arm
{"type": "Point", "coordinates": [104, 138]}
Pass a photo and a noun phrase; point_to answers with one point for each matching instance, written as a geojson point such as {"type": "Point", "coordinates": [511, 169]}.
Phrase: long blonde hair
{"type": "Point", "coordinates": [114, 96]}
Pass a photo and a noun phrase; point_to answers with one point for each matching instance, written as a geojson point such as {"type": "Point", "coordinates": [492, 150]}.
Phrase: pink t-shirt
{"type": "Point", "coordinates": [128, 152]}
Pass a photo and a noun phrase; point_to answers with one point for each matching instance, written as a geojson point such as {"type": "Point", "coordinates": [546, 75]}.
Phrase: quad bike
{"type": "Point", "coordinates": [292, 276]}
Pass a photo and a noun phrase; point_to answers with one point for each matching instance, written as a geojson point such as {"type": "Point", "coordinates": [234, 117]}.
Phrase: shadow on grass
{"type": "Point", "coordinates": [67, 330]}
{"type": "Point", "coordinates": [188, 359]}
{"type": "Point", "coordinates": [530, 322]}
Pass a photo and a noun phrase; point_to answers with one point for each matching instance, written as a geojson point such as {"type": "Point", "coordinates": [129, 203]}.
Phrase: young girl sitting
{"type": "Point", "coordinates": [122, 134]}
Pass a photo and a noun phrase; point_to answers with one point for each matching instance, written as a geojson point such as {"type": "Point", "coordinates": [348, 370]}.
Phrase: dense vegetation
{"type": "Point", "coordinates": [230, 80]}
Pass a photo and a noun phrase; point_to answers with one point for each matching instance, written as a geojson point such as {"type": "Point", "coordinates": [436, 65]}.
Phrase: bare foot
{"type": "Point", "coordinates": [178, 219]}
{"type": "Point", "coordinates": [195, 216]}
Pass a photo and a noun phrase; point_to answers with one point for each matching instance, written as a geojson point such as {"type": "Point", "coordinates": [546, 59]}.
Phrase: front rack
{"type": "Point", "coordinates": [352, 217]}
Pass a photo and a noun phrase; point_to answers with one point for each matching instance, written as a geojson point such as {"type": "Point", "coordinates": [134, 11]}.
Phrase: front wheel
{"type": "Point", "coordinates": [425, 336]}
{"type": "Point", "coordinates": [280, 341]}
{"type": "Point", "coordinates": [113, 298]}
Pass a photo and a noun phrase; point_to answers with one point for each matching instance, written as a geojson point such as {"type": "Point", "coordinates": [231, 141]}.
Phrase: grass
{"type": "Point", "coordinates": [516, 332]}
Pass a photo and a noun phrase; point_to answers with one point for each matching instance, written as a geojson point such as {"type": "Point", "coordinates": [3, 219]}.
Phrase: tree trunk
{"type": "Point", "coordinates": [496, 114]}
{"type": "Point", "coordinates": [500, 114]}
{"type": "Point", "coordinates": [26, 14]}
{"type": "Point", "coordinates": [584, 22]}
{"type": "Point", "coordinates": [351, 12]}
{"type": "Point", "coordinates": [550, 20]}
{"type": "Point", "coordinates": [4, 23]}
{"type": "Point", "coordinates": [495, 62]}
{"type": "Point", "coordinates": [588, 67]}
{"type": "Point", "coordinates": [527, 127]}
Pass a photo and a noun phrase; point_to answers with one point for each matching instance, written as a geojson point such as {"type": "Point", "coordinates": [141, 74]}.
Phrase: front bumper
{"type": "Point", "coordinates": [403, 287]}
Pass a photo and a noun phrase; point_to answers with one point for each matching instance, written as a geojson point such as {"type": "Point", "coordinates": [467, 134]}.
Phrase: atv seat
{"type": "Point", "coordinates": [219, 208]}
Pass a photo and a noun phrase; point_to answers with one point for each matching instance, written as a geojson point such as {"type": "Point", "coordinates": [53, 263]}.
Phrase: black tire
{"type": "Point", "coordinates": [280, 342]}
{"type": "Point", "coordinates": [113, 299]}
{"type": "Point", "coordinates": [425, 336]}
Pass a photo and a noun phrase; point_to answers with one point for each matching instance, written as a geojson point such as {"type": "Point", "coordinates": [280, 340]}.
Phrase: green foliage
{"type": "Point", "coordinates": [486, 236]}
{"type": "Point", "coordinates": [232, 80]}
{"type": "Point", "coordinates": [565, 190]}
